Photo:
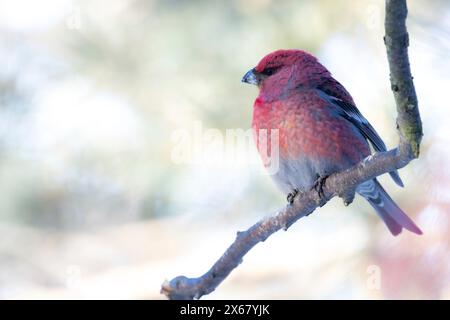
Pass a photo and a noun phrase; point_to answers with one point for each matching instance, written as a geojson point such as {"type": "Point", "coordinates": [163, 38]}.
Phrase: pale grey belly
{"type": "Point", "coordinates": [301, 173]}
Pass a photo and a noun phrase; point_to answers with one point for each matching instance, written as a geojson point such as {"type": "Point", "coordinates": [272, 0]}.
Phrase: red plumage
{"type": "Point", "coordinates": [303, 120]}
{"type": "Point", "coordinates": [320, 129]}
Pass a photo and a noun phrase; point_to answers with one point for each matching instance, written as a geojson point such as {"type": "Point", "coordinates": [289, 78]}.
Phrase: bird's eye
{"type": "Point", "coordinates": [269, 71]}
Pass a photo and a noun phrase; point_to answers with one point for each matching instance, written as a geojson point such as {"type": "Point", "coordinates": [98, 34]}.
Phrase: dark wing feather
{"type": "Point", "coordinates": [336, 94]}
{"type": "Point", "coordinates": [351, 113]}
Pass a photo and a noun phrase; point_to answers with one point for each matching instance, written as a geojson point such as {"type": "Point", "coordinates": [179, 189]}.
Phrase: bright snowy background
{"type": "Point", "coordinates": [93, 203]}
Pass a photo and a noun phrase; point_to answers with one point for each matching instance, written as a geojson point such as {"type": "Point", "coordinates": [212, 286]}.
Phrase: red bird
{"type": "Point", "coordinates": [321, 131]}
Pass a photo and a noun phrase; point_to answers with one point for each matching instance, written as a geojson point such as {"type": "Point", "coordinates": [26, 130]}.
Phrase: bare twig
{"type": "Point", "coordinates": [396, 40]}
{"type": "Point", "coordinates": [341, 184]}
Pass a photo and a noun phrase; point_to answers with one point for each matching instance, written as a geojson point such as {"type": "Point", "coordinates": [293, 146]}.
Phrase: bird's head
{"type": "Point", "coordinates": [286, 69]}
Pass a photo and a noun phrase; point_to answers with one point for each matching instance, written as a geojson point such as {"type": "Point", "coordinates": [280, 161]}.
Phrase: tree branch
{"type": "Point", "coordinates": [342, 184]}
{"type": "Point", "coordinates": [397, 41]}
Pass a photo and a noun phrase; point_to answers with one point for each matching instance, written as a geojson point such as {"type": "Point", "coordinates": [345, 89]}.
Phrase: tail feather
{"type": "Point", "coordinates": [394, 218]}
{"type": "Point", "coordinates": [394, 175]}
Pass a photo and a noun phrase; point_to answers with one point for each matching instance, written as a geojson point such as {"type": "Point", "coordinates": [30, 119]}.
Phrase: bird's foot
{"type": "Point", "coordinates": [291, 196]}
{"type": "Point", "coordinates": [348, 198]}
{"type": "Point", "coordinates": [319, 184]}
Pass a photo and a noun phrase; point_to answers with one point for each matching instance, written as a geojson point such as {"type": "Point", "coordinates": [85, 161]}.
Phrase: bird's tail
{"type": "Point", "coordinates": [394, 218]}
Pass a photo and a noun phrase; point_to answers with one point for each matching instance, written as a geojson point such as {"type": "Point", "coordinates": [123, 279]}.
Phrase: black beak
{"type": "Point", "coordinates": [250, 77]}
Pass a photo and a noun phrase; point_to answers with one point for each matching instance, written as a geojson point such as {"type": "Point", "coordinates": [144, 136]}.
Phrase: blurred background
{"type": "Point", "coordinates": [102, 102]}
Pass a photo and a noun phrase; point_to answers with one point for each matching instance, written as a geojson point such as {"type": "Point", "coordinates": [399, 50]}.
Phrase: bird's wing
{"type": "Point", "coordinates": [335, 94]}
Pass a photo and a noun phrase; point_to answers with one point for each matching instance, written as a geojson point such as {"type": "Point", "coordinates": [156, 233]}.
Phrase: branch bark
{"type": "Point", "coordinates": [342, 184]}
{"type": "Point", "coordinates": [396, 40]}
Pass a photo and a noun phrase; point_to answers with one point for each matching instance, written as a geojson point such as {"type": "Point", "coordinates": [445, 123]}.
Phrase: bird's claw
{"type": "Point", "coordinates": [348, 198]}
{"type": "Point", "coordinates": [291, 196]}
{"type": "Point", "coordinates": [318, 185]}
